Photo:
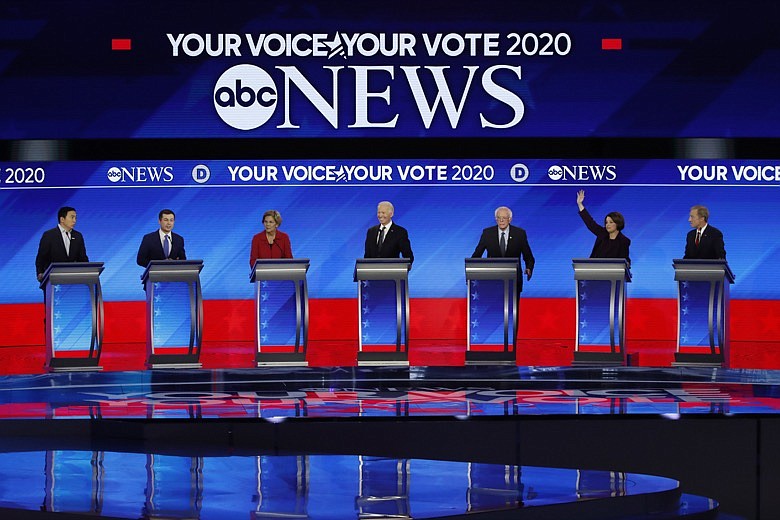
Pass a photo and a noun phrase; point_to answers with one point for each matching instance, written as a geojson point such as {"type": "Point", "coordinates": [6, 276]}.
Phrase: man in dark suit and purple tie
{"type": "Point", "coordinates": [162, 244]}
{"type": "Point", "coordinates": [703, 242]}
{"type": "Point", "coordinates": [61, 244]}
{"type": "Point", "coordinates": [504, 240]}
{"type": "Point", "coordinates": [388, 239]}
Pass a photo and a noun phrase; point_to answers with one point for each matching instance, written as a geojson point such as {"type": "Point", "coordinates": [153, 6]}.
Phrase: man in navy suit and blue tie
{"type": "Point", "coordinates": [703, 242]}
{"type": "Point", "coordinates": [505, 240]}
{"type": "Point", "coordinates": [162, 244]}
{"type": "Point", "coordinates": [387, 239]}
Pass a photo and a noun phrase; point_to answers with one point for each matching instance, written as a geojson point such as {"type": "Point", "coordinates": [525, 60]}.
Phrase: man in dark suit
{"type": "Point", "coordinates": [61, 244]}
{"type": "Point", "coordinates": [388, 239]}
{"type": "Point", "coordinates": [703, 242]}
{"type": "Point", "coordinates": [504, 240]}
{"type": "Point", "coordinates": [162, 244]}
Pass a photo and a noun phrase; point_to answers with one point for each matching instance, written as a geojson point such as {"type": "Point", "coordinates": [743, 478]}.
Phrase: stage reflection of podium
{"type": "Point", "coordinates": [174, 313]}
{"type": "Point", "coordinates": [282, 486]}
{"type": "Point", "coordinates": [75, 481]}
{"type": "Point", "coordinates": [383, 489]}
{"type": "Point", "coordinates": [74, 316]}
{"type": "Point", "coordinates": [601, 310]}
{"type": "Point", "coordinates": [174, 486]}
{"type": "Point", "coordinates": [282, 311]}
{"type": "Point", "coordinates": [492, 310]}
{"type": "Point", "coordinates": [493, 487]}
{"type": "Point", "coordinates": [703, 312]}
{"type": "Point", "coordinates": [383, 311]}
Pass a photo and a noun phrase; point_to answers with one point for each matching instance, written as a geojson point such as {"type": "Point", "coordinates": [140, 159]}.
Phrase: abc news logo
{"type": "Point", "coordinates": [140, 174]}
{"type": "Point", "coordinates": [245, 97]}
{"type": "Point", "coordinates": [580, 173]}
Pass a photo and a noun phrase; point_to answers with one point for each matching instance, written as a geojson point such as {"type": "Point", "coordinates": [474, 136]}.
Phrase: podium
{"type": "Point", "coordinates": [282, 310]}
{"type": "Point", "coordinates": [74, 316]}
{"type": "Point", "coordinates": [703, 312]}
{"type": "Point", "coordinates": [383, 310]}
{"type": "Point", "coordinates": [492, 311]}
{"type": "Point", "coordinates": [601, 310]}
{"type": "Point", "coordinates": [174, 313]}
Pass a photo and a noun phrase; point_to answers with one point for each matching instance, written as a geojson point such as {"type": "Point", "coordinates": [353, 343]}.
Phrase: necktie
{"type": "Point", "coordinates": [502, 243]}
{"type": "Point", "coordinates": [698, 237]}
{"type": "Point", "coordinates": [381, 236]}
{"type": "Point", "coordinates": [67, 243]}
{"type": "Point", "coordinates": [167, 247]}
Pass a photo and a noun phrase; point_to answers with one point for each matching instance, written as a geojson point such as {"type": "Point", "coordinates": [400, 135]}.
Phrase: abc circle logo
{"type": "Point", "coordinates": [114, 174]}
{"type": "Point", "coordinates": [519, 172]}
{"type": "Point", "coordinates": [555, 172]}
{"type": "Point", "coordinates": [245, 97]}
{"type": "Point", "coordinates": [201, 173]}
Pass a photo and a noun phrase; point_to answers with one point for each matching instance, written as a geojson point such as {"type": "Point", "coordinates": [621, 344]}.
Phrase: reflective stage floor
{"type": "Point", "coordinates": [400, 442]}
{"type": "Point", "coordinates": [277, 393]}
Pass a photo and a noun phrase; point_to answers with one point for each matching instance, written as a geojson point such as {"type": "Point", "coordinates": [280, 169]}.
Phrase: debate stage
{"type": "Point", "coordinates": [357, 442]}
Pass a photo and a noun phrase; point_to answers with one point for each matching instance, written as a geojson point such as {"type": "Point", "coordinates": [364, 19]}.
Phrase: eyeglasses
{"type": "Point", "coordinates": [502, 218]}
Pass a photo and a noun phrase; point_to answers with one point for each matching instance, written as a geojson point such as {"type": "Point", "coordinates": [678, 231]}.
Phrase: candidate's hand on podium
{"type": "Point", "coordinates": [528, 273]}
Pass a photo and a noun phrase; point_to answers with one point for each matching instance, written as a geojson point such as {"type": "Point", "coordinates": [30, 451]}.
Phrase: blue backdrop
{"type": "Point", "coordinates": [327, 221]}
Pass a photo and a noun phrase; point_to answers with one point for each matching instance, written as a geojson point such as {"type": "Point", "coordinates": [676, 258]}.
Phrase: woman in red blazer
{"type": "Point", "coordinates": [270, 243]}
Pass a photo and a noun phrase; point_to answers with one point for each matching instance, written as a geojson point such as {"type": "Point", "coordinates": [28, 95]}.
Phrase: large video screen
{"type": "Point", "coordinates": [328, 205]}
{"type": "Point", "coordinates": [323, 68]}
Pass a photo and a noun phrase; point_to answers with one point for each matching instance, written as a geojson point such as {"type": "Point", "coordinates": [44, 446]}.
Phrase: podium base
{"type": "Point", "coordinates": [382, 359]}
{"type": "Point", "coordinates": [73, 365]}
{"type": "Point", "coordinates": [698, 360]}
{"type": "Point", "coordinates": [604, 359]}
{"type": "Point", "coordinates": [481, 357]}
{"type": "Point", "coordinates": [287, 359]}
{"type": "Point", "coordinates": [173, 361]}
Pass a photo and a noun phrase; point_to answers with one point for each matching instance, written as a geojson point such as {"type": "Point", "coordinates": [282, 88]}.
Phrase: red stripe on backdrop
{"type": "Point", "coordinates": [547, 327]}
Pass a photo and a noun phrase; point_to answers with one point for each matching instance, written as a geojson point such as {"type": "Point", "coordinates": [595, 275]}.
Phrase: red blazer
{"type": "Point", "coordinates": [261, 249]}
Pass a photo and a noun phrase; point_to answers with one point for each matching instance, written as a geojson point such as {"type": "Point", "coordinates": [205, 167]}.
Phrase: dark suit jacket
{"type": "Point", "coordinates": [711, 246]}
{"type": "Point", "coordinates": [605, 247]}
{"type": "Point", "coordinates": [396, 243]}
{"type": "Point", "coordinates": [516, 246]}
{"type": "Point", "coordinates": [52, 249]}
{"type": "Point", "coordinates": [281, 247]}
{"type": "Point", "coordinates": [151, 248]}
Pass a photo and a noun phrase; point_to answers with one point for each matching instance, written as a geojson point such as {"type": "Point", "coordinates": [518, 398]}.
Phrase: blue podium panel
{"type": "Point", "coordinates": [174, 308]}
{"type": "Point", "coordinates": [702, 309]}
{"type": "Point", "coordinates": [488, 312]}
{"type": "Point", "coordinates": [696, 313]}
{"type": "Point", "coordinates": [172, 320]}
{"type": "Point", "coordinates": [281, 310]}
{"type": "Point", "coordinates": [601, 309]}
{"type": "Point", "coordinates": [74, 315]}
{"type": "Point", "coordinates": [381, 310]}
{"type": "Point", "coordinates": [492, 310]}
{"type": "Point", "coordinates": [597, 318]}
{"type": "Point", "coordinates": [278, 313]}
{"type": "Point", "coordinates": [72, 318]}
